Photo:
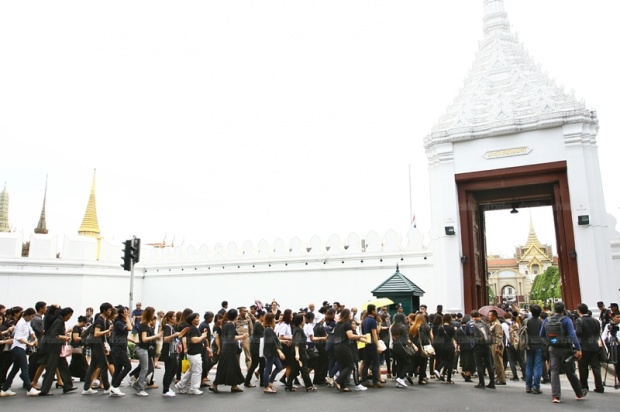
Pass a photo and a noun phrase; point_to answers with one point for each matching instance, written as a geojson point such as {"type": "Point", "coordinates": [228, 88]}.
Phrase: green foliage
{"type": "Point", "coordinates": [491, 295]}
{"type": "Point", "coordinates": [547, 286]}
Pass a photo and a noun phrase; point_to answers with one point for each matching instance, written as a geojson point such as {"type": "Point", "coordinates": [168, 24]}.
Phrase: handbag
{"type": "Point", "coordinates": [261, 348]}
{"type": "Point", "coordinates": [428, 351]}
{"type": "Point", "coordinates": [409, 351]}
{"type": "Point", "coordinates": [381, 346]}
{"type": "Point", "coordinates": [184, 365]}
{"type": "Point", "coordinates": [66, 351]}
{"type": "Point", "coordinates": [77, 351]}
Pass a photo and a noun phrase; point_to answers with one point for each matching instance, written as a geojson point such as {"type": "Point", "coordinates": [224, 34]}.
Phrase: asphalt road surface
{"type": "Point", "coordinates": [436, 396]}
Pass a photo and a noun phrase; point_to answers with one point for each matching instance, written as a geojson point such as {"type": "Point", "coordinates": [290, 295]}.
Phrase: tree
{"type": "Point", "coordinates": [547, 286]}
{"type": "Point", "coordinates": [491, 296]}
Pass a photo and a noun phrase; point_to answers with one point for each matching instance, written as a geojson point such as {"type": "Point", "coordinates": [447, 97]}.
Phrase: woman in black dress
{"type": "Point", "coordinates": [228, 370]}
{"type": "Point", "coordinates": [343, 334]}
{"type": "Point", "coordinates": [447, 347]}
{"type": "Point", "coordinates": [300, 362]}
{"type": "Point", "coordinates": [78, 366]}
{"type": "Point", "coordinates": [400, 339]}
{"type": "Point", "coordinates": [420, 334]}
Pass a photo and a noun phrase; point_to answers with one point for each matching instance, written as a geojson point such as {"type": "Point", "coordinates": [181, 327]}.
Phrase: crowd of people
{"type": "Point", "coordinates": [333, 346]}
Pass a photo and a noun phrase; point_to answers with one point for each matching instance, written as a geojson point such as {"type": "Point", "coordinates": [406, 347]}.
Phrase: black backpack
{"type": "Point", "coordinates": [320, 332]}
{"type": "Point", "coordinates": [554, 331]}
{"type": "Point", "coordinates": [88, 335]}
{"type": "Point", "coordinates": [482, 333]}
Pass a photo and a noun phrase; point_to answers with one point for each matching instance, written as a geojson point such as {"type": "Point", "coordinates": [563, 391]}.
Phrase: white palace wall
{"type": "Point", "coordinates": [294, 273]}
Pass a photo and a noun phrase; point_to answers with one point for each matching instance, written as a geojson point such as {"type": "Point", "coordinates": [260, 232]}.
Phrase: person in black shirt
{"type": "Point", "coordinates": [343, 333]}
{"type": "Point", "coordinates": [271, 353]}
{"type": "Point", "coordinates": [400, 340]}
{"type": "Point", "coordinates": [170, 351]}
{"type": "Point", "coordinates": [447, 347]}
{"type": "Point", "coordinates": [102, 330]}
{"type": "Point", "coordinates": [147, 337]}
{"type": "Point", "coordinates": [228, 370]}
{"type": "Point", "coordinates": [57, 337]}
{"type": "Point", "coordinates": [207, 355]}
{"type": "Point", "coordinates": [588, 330]}
{"type": "Point", "coordinates": [78, 366]}
{"type": "Point", "coordinates": [195, 346]}
{"type": "Point", "coordinates": [118, 343]}
{"type": "Point", "coordinates": [258, 332]}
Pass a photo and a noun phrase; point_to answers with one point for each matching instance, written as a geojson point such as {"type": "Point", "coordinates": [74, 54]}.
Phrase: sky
{"type": "Point", "coordinates": [220, 121]}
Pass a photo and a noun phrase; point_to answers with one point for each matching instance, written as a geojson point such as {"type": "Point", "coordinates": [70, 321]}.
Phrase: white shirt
{"type": "Point", "coordinates": [506, 329]}
{"type": "Point", "coordinates": [283, 329]}
{"type": "Point", "coordinates": [22, 331]}
{"type": "Point", "coordinates": [309, 331]}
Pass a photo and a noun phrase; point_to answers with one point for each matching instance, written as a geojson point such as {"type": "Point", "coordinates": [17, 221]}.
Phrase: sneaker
{"type": "Point", "coordinates": [170, 394]}
{"type": "Point", "coordinates": [89, 391]}
{"type": "Point", "coordinates": [195, 392]}
{"type": "Point", "coordinates": [528, 390]}
{"type": "Point", "coordinates": [8, 392]}
{"type": "Point", "coordinates": [95, 384]}
{"type": "Point", "coordinates": [584, 392]}
{"type": "Point", "coordinates": [437, 374]}
{"type": "Point", "coordinates": [108, 391]}
{"type": "Point", "coordinates": [142, 393]}
{"type": "Point", "coordinates": [360, 387]}
{"type": "Point", "coordinates": [32, 392]}
{"type": "Point", "coordinates": [180, 388]}
{"type": "Point", "coordinates": [115, 392]}
{"type": "Point", "coordinates": [556, 399]}
{"type": "Point", "coordinates": [536, 391]}
{"type": "Point", "coordinates": [401, 382]}
{"type": "Point", "coordinates": [398, 385]}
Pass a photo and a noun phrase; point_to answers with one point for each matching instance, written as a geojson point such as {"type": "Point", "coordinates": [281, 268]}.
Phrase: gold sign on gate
{"type": "Point", "coordinates": [515, 151]}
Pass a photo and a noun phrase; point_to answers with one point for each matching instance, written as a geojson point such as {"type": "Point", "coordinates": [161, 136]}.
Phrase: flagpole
{"type": "Point", "coordinates": [410, 198]}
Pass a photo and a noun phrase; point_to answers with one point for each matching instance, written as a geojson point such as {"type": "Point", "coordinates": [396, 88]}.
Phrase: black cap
{"type": "Point", "coordinates": [613, 304]}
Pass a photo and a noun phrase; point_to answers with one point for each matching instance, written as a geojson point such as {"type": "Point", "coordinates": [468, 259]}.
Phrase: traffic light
{"type": "Point", "coordinates": [135, 250]}
{"type": "Point", "coordinates": [127, 255]}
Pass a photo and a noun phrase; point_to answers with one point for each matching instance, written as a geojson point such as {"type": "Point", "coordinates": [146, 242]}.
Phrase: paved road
{"type": "Point", "coordinates": [435, 396]}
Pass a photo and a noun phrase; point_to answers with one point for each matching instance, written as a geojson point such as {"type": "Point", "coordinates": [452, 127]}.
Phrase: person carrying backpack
{"type": "Point", "coordinates": [481, 334]}
{"type": "Point", "coordinates": [564, 348]}
{"type": "Point", "coordinates": [534, 347]}
{"type": "Point", "coordinates": [512, 347]}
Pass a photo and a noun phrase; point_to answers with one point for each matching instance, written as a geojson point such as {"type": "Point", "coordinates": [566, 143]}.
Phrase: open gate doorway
{"type": "Point", "coordinates": [526, 186]}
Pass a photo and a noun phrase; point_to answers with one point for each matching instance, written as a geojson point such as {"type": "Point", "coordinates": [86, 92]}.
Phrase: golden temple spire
{"type": "Point", "coordinates": [532, 239]}
{"type": "Point", "coordinates": [90, 224]}
{"type": "Point", "coordinates": [42, 226]}
{"type": "Point", "coordinates": [4, 210]}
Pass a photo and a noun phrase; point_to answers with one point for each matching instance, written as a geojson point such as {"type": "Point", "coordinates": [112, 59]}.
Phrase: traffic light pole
{"type": "Point", "coordinates": [131, 282]}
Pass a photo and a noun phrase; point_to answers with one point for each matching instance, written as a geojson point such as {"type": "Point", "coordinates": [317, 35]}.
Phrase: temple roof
{"type": "Point", "coordinates": [42, 226]}
{"type": "Point", "coordinates": [505, 91]}
{"type": "Point", "coordinates": [90, 224]}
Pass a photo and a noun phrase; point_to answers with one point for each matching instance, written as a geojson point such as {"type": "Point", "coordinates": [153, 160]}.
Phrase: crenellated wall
{"type": "Point", "coordinates": [295, 273]}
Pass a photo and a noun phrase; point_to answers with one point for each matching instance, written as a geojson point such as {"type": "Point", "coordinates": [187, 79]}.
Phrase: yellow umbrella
{"type": "Point", "coordinates": [379, 302]}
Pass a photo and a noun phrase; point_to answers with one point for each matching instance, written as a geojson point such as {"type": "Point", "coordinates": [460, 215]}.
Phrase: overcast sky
{"type": "Point", "coordinates": [219, 121]}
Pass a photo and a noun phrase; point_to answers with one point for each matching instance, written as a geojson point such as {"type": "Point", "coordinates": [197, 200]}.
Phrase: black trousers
{"type": "Point", "coordinates": [122, 365]}
{"type": "Point", "coordinates": [97, 359]}
{"type": "Point", "coordinates": [257, 362]}
{"type": "Point", "coordinates": [402, 362]}
{"type": "Point", "coordinates": [591, 359]}
{"type": "Point", "coordinates": [53, 362]}
{"type": "Point", "coordinates": [296, 368]}
{"type": "Point", "coordinates": [170, 369]}
{"type": "Point", "coordinates": [484, 361]}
